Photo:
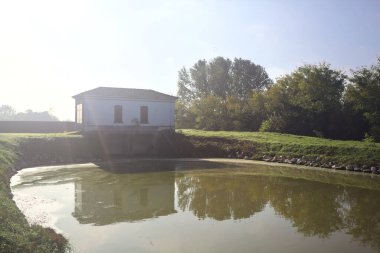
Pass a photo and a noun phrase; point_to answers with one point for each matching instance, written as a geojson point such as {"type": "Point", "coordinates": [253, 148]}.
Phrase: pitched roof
{"type": "Point", "coordinates": [124, 93]}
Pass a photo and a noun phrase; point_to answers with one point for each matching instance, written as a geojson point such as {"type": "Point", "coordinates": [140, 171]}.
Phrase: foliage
{"type": "Point", "coordinates": [7, 112]}
{"type": "Point", "coordinates": [305, 101]}
{"type": "Point", "coordinates": [221, 77]}
{"type": "Point", "coordinates": [215, 94]}
{"type": "Point", "coordinates": [313, 100]}
{"type": "Point", "coordinates": [363, 98]}
{"type": "Point", "coordinates": [185, 117]}
{"type": "Point", "coordinates": [215, 113]}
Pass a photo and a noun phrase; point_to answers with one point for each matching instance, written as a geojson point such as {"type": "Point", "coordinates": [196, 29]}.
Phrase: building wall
{"type": "Point", "coordinates": [98, 112]}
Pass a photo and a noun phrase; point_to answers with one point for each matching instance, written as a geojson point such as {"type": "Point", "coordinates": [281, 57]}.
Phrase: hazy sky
{"type": "Point", "coordinates": [52, 50]}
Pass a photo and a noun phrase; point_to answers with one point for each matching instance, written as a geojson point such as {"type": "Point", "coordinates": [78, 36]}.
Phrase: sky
{"type": "Point", "coordinates": [52, 50]}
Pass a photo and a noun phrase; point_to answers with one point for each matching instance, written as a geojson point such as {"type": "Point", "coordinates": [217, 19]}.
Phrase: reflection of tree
{"type": "Point", "coordinates": [221, 197]}
{"type": "Point", "coordinates": [311, 206]}
{"type": "Point", "coordinates": [363, 218]}
{"type": "Point", "coordinates": [314, 208]}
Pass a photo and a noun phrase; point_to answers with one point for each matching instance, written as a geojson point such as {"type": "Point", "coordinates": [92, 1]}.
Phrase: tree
{"type": "Point", "coordinates": [362, 98]}
{"type": "Point", "coordinates": [185, 116]}
{"type": "Point", "coordinates": [185, 93]}
{"type": "Point", "coordinates": [221, 77]}
{"type": "Point", "coordinates": [29, 115]}
{"type": "Point", "coordinates": [307, 101]}
{"type": "Point", "coordinates": [217, 93]}
{"type": "Point", "coordinates": [210, 113]}
{"type": "Point", "coordinates": [247, 78]}
{"type": "Point", "coordinates": [7, 112]}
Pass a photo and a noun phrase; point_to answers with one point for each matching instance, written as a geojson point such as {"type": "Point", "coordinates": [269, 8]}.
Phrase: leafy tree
{"type": "Point", "coordinates": [185, 117]}
{"type": "Point", "coordinates": [218, 92]}
{"type": "Point", "coordinates": [307, 101]}
{"type": "Point", "coordinates": [221, 77]}
{"type": "Point", "coordinates": [362, 99]}
{"type": "Point", "coordinates": [7, 112]}
{"type": "Point", "coordinates": [248, 77]}
{"type": "Point", "coordinates": [210, 113]}
{"type": "Point", "coordinates": [29, 115]}
{"type": "Point", "coordinates": [221, 94]}
{"type": "Point", "coordinates": [185, 93]}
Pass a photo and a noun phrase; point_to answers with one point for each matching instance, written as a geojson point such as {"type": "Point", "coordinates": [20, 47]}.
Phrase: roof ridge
{"type": "Point", "coordinates": [107, 87]}
{"type": "Point", "coordinates": [128, 93]}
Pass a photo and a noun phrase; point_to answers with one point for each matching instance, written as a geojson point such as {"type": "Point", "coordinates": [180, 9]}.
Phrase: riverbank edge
{"type": "Point", "coordinates": [16, 234]}
{"type": "Point", "coordinates": [281, 148]}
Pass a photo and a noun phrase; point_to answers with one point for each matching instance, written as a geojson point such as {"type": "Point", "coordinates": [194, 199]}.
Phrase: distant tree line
{"type": "Point", "coordinates": [7, 112]}
{"type": "Point", "coordinates": [314, 100]}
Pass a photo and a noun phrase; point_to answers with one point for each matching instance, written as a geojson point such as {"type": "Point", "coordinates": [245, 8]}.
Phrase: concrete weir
{"type": "Point", "coordinates": [128, 143]}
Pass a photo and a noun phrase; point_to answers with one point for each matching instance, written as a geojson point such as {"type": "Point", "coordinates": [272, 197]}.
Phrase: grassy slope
{"type": "Point", "coordinates": [16, 235]}
{"type": "Point", "coordinates": [261, 143]}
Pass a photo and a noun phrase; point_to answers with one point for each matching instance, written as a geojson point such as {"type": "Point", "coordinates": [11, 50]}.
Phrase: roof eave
{"type": "Point", "coordinates": [79, 96]}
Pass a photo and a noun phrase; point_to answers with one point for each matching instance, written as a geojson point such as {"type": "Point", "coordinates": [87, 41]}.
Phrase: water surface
{"type": "Point", "coordinates": [177, 206]}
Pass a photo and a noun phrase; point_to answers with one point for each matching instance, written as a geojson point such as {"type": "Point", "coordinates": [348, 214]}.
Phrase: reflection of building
{"type": "Point", "coordinates": [130, 197]}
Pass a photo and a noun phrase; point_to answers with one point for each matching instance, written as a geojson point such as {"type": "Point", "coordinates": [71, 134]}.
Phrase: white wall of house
{"type": "Point", "coordinates": [100, 112]}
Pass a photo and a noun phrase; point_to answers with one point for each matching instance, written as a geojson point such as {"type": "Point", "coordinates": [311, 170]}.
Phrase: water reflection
{"type": "Point", "coordinates": [221, 197]}
{"type": "Point", "coordinates": [314, 208]}
{"type": "Point", "coordinates": [133, 197]}
{"type": "Point", "coordinates": [126, 194]}
{"type": "Point", "coordinates": [312, 205]}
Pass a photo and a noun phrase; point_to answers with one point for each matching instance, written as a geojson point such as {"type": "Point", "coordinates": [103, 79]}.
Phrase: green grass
{"type": "Point", "coordinates": [16, 235]}
{"type": "Point", "coordinates": [275, 138]}
{"type": "Point", "coordinates": [261, 143]}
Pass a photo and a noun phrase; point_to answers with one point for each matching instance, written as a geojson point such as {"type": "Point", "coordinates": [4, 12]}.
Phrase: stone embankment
{"type": "Point", "coordinates": [318, 163]}
{"type": "Point", "coordinates": [312, 162]}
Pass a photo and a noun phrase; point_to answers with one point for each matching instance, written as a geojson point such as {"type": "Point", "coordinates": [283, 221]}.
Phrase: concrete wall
{"type": "Point", "coordinates": [126, 144]}
{"type": "Point", "coordinates": [100, 112]}
{"type": "Point", "coordinates": [37, 126]}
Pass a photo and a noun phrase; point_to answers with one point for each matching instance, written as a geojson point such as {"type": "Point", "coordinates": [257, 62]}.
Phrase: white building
{"type": "Point", "coordinates": [123, 110]}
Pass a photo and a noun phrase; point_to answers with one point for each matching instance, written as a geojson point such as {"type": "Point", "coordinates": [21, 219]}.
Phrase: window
{"type": "Point", "coordinates": [79, 113]}
{"type": "Point", "coordinates": [118, 114]}
{"type": "Point", "coordinates": [144, 114]}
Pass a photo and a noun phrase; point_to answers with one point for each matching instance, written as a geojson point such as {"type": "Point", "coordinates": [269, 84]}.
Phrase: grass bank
{"type": "Point", "coordinates": [258, 144]}
{"type": "Point", "coordinates": [16, 235]}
